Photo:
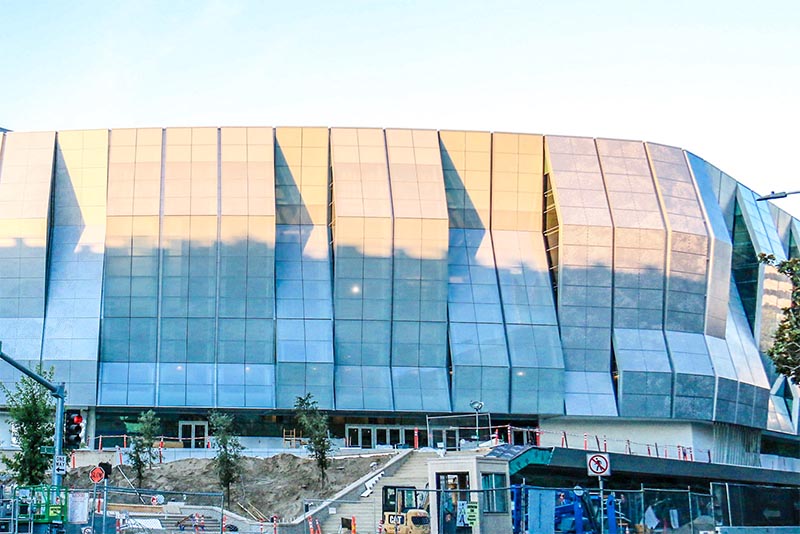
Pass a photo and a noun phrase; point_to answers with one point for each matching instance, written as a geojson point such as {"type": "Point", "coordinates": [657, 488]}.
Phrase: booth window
{"type": "Point", "coordinates": [495, 492]}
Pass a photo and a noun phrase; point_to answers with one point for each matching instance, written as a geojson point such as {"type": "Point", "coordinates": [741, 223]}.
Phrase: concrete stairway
{"type": "Point", "coordinates": [367, 509]}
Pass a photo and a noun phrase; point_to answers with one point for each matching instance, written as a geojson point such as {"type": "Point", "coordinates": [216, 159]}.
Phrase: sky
{"type": "Point", "coordinates": [718, 78]}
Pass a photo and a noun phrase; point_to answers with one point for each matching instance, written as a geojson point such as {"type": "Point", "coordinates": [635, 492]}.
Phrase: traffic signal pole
{"type": "Point", "coordinates": [60, 394]}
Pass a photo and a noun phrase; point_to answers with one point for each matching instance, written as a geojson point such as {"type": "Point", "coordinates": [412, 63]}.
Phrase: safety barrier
{"type": "Point", "coordinates": [498, 434]}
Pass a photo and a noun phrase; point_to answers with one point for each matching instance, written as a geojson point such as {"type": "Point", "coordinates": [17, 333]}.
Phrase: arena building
{"type": "Point", "coordinates": [579, 286]}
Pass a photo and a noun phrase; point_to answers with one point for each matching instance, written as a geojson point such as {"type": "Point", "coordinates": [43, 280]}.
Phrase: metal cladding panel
{"type": "Point", "coordinates": [695, 379]}
{"type": "Point", "coordinates": [189, 268]}
{"type": "Point", "coordinates": [77, 242]}
{"type": "Point", "coordinates": [644, 380]}
{"type": "Point", "coordinates": [245, 330]}
{"type": "Point", "coordinates": [584, 274]}
{"type": "Point", "coordinates": [26, 178]}
{"type": "Point", "coordinates": [778, 418]}
{"type": "Point", "coordinates": [419, 275]}
{"type": "Point", "coordinates": [794, 240]}
{"type": "Point", "coordinates": [362, 241]}
{"type": "Point", "coordinates": [687, 275]}
{"type": "Point", "coordinates": [783, 406]}
{"type": "Point", "coordinates": [304, 296]}
{"type": "Point", "coordinates": [720, 247]}
{"type": "Point", "coordinates": [727, 386]}
{"type": "Point", "coordinates": [129, 324]}
{"type": "Point", "coordinates": [478, 348]}
{"type": "Point", "coordinates": [752, 403]}
{"type": "Point", "coordinates": [477, 337]}
{"type": "Point", "coordinates": [517, 182]}
{"type": "Point", "coordinates": [773, 287]}
{"type": "Point", "coordinates": [783, 225]}
{"type": "Point", "coordinates": [639, 263]}
{"type": "Point", "coordinates": [534, 345]}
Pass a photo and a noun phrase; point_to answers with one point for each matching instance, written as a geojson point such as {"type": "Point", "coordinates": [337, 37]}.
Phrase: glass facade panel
{"type": "Point", "coordinates": [390, 271]}
{"type": "Point", "coordinates": [132, 258]}
{"type": "Point", "coordinates": [534, 347]}
{"type": "Point", "coordinates": [25, 192]}
{"type": "Point", "coordinates": [303, 294]}
{"type": "Point", "coordinates": [585, 235]}
{"type": "Point", "coordinates": [419, 278]}
{"type": "Point", "coordinates": [480, 366]}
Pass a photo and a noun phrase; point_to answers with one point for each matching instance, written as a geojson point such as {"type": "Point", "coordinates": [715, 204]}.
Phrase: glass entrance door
{"type": "Point", "coordinates": [193, 434]}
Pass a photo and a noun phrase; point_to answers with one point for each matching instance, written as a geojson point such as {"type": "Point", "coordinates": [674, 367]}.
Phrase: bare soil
{"type": "Point", "coordinates": [276, 485]}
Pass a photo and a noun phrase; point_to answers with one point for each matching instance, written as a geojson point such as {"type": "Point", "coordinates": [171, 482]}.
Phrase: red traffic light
{"type": "Point", "coordinates": [73, 427]}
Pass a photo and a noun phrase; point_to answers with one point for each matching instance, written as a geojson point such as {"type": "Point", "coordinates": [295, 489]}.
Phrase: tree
{"type": "Point", "coordinates": [32, 410]}
{"type": "Point", "coordinates": [785, 350]}
{"type": "Point", "coordinates": [142, 454]}
{"type": "Point", "coordinates": [314, 425]}
{"type": "Point", "coordinates": [227, 459]}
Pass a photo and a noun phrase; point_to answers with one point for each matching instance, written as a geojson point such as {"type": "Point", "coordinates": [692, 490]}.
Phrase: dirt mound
{"type": "Point", "coordinates": [276, 485]}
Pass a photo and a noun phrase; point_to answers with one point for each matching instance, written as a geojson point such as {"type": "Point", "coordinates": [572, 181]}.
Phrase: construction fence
{"type": "Point", "coordinates": [113, 510]}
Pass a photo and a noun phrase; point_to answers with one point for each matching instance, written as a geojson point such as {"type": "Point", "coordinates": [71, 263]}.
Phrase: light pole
{"type": "Point", "coordinates": [477, 406]}
{"type": "Point", "coordinates": [775, 196]}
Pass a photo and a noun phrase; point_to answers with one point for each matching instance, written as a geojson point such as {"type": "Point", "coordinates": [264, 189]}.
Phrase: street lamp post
{"type": "Point", "coordinates": [477, 406]}
{"type": "Point", "coordinates": [775, 196]}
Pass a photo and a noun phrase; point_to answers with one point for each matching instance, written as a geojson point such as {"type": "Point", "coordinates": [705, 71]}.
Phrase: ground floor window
{"type": "Point", "coordinates": [495, 495]}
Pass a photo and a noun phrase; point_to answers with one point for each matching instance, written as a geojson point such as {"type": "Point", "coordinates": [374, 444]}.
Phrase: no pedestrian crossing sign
{"type": "Point", "coordinates": [598, 464]}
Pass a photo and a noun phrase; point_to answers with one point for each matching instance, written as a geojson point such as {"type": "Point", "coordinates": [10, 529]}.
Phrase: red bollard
{"type": "Point", "coordinates": [648, 450]}
{"type": "Point", "coordinates": [100, 443]}
{"type": "Point", "coordinates": [161, 450]}
{"type": "Point", "coordinates": [353, 526]}
{"type": "Point", "coordinates": [691, 454]}
{"type": "Point", "coordinates": [508, 435]}
{"type": "Point", "coordinates": [310, 526]}
{"type": "Point", "coordinates": [605, 444]}
{"type": "Point", "coordinates": [125, 441]}
{"type": "Point", "coordinates": [274, 524]}
{"type": "Point", "coordinates": [586, 441]}
{"type": "Point", "coordinates": [416, 438]}
{"type": "Point", "coordinates": [564, 442]}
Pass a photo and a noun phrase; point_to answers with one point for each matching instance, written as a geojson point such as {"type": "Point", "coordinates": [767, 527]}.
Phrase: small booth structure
{"type": "Point", "coordinates": [470, 494]}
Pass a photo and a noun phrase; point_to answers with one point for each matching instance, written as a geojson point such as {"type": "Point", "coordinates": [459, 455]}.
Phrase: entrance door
{"type": "Point", "coordinates": [193, 434]}
{"type": "Point", "coordinates": [453, 499]}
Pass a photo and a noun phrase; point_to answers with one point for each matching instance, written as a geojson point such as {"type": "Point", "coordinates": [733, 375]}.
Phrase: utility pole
{"type": "Point", "coordinates": [60, 394]}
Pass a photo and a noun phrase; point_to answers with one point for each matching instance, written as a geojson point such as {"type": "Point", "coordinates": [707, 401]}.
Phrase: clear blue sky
{"type": "Point", "coordinates": [719, 78]}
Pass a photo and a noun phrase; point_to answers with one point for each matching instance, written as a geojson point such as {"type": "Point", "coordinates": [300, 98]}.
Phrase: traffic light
{"type": "Point", "coordinates": [73, 426]}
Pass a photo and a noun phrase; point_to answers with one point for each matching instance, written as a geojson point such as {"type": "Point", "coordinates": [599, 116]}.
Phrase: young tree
{"type": "Point", "coordinates": [32, 410]}
{"type": "Point", "coordinates": [314, 425]}
{"type": "Point", "coordinates": [785, 350]}
{"type": "Point", "coordinates": [228, 456]}
{"type": "Point", "coordinates": [142, 453]}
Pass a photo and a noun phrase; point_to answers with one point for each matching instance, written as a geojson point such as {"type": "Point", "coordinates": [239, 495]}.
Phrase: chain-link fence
{"type": "Point", "coordinates": [549, 511]}
{"type": "Point", "coordinates": [765, 506]}
{"type": "Point", "coordinates": [112, 510]}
